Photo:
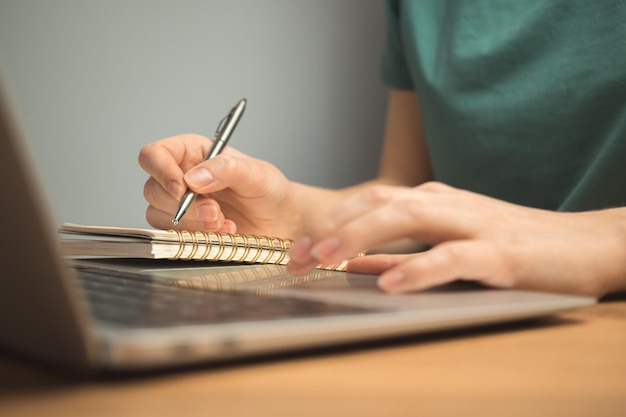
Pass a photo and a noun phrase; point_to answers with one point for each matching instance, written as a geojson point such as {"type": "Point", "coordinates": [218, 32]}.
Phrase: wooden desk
{"type": "Point", "coordinates": [573, 364]}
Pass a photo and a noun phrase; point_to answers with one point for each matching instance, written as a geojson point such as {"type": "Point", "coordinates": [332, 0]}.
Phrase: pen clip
{"type": "Point", "coordinates": [223, 123]}
{"type": "Point", "coordinates": [220, 127]}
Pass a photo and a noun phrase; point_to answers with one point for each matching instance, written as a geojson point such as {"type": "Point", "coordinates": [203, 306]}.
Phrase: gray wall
{"type": "Point", "coordinates": [93, 81]}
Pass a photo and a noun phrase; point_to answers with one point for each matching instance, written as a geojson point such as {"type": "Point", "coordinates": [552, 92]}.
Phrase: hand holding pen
{"type": "Point", "coordinates": [224, 130]}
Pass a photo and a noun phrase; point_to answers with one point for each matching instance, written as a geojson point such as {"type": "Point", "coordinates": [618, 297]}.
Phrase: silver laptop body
{"type": "Point", "coordinates": [75, 315]}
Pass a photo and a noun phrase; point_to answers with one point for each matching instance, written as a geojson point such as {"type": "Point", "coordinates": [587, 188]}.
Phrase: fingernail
{"type": "Point", "coordinates": [210, 226]}
{"type": "Point", "coordinates": [198, 177]}
{"type": "Point", "coordinates": [391, 280]}
{"type": "Point", "coordinates": [207, 212]}
{"type": "Point", "coordinates": [325, 249]}
{"type": "Point", "coordinates": [175, 189]}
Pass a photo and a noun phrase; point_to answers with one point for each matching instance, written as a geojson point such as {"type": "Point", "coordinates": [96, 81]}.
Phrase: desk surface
{"type": "Point", "coordinates": [572, 364]}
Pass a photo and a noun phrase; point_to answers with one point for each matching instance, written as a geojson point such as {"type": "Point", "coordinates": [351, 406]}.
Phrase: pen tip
{"type": "Point", "coordinates": [174, 222]}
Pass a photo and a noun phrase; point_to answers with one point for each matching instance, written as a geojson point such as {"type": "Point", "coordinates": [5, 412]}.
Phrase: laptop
{"type": "Point", "coordinates": [136, 315]}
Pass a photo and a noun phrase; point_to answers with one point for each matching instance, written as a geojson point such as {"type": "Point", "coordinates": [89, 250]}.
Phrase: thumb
{"type": "Point", "coordinates": [217, 173]}
{"type": "Point", "coordinates": [199, 179]}
{"type": "Point", "coordinates": [246, 176]}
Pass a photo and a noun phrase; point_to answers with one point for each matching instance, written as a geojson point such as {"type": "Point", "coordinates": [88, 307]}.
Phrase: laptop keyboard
{"type": "Point", "coordinates": [134, 301]}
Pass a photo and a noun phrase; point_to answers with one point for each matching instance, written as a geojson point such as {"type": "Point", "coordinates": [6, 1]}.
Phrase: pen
{"type": "Point", "coordinates": [222, 134]}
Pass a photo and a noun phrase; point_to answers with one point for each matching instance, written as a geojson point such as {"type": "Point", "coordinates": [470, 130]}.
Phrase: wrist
{"type": "Point", "coordinates": [610, 226]}
{"type": "Point", "coordinates": [307, 204]}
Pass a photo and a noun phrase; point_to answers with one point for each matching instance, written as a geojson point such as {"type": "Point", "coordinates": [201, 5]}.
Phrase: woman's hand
{"type": "Point", "coordinates": [473, 237]}
{"type": "Point", "coordinates": [236, 192]}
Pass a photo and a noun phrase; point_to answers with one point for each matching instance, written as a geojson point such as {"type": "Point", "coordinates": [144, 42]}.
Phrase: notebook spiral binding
{"type": "Point", "coordinates": [234, 241]}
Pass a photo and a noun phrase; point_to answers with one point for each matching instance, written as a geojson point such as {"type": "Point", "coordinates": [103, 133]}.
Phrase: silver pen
{"type": "Point", "coordinates": [222, 134]}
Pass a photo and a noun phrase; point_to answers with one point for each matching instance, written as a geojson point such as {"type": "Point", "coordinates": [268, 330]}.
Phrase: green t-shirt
{"type": "Point", "coordinates": [522, 100]}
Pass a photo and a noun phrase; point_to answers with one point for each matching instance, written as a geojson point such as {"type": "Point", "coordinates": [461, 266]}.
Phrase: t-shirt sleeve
{"type": "Point", "coordinates": [394, 70]}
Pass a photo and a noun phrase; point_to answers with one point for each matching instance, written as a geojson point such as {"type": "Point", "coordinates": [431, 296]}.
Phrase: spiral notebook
{"type": "Point", "coordinates": [123, 242]}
